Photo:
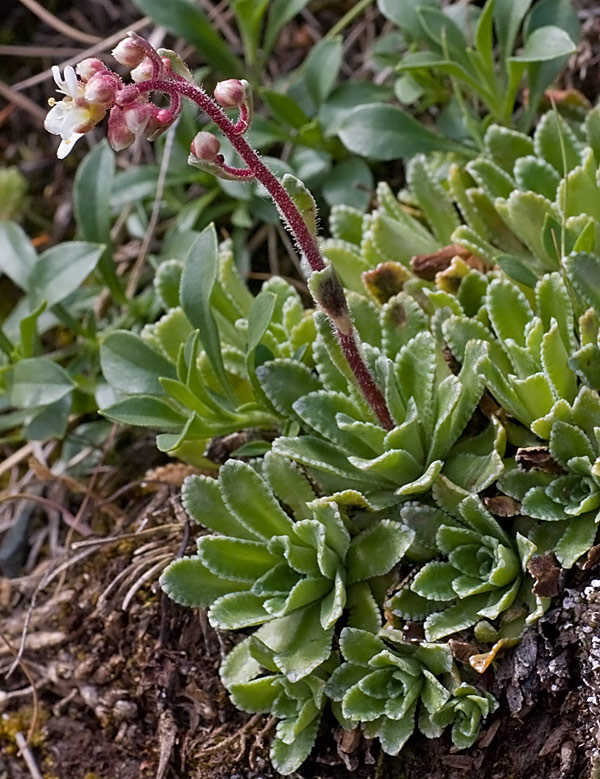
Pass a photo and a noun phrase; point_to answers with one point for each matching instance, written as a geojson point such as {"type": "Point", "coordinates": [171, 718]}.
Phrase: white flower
{"type": "Point", "coordinates": [70, 84]}
{"type": "Point", "coordinates": [72, 116]}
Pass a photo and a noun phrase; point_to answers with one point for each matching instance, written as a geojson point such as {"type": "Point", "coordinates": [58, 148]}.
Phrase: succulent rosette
{"type": "Point", "coordinates": [264, 566]}
{"type": "Point", "coordinates": [464, 711]}
{"type": "Point", "coordinates": [479, 578]}
{"type": "Point", "coordinates": [381, 685]}
{"type": "Point", "coordinates": [256, 684]}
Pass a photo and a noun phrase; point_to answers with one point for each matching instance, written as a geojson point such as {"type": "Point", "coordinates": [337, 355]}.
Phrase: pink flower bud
{"type": "Point", "coordinates": [160, 119]}
{"type": "Point", "coordinates": [89, 67]}
{"type": "Point", "coordinates": [137, 117]}
{"type": "Point", "coordinates": [164, 116]}
{"type": "Point", "coordinates": [119, 135]}
{"type": "Point", "coordinates": [205, 146]}
{"type": "Point", "coordinates": [230, 93]}
{"type": "Point", "coordinates": [129, 52]}
{"type": "Point", "coordinates": [143, 72]}
{"type": "Point", "coordinates": [101, 88]}
{"type": "Point", "coordinates": [129, 94]}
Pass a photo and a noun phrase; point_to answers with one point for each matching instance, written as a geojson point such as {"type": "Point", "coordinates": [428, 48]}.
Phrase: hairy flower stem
{"type": "Point", "coordinates": [307, 243]}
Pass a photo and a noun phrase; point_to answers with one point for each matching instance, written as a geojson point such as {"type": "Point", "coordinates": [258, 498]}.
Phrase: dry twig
{"type": "Point", "coordinates": [36, 704]}
{"type": "Point", "coordinates": [28, 756]}
{"type": "Point", "coordinates": [104, 44]}
{"type": "Point", "coordinates": [58, 24]}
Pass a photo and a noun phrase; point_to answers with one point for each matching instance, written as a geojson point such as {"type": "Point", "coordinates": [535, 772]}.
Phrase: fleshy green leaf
{"type": "Point", "coordinates": [38, 381]}
{"type": "Point", "coordinates": [146, 411]}
{"type": "Point", "coordinates": [17, 255]}
{"type": "Point", "coordinates": [130, 365]}
{"type": "Point", "coordinates": [187, 581]}
{"type": "Point", "coordinates": [433, 199]}
{"type": "Point", "coordinates": [91, 202]}
{"type": "Point", "coordinates": [434, 581]}
{"type": "Point", "coordinates": [235, 559]}
{"type": "Point", "coordinates": [284, 381]}
{"type": "Point", "coordinates": [237, 610]}
{"type": "Point", "coordinates": [257, 695]}
{"type": "Point", "coordinates": [568, 441]}
{"type": "Point", "coordinates": [197, 282]}
{"type": "Point", "coordinates": [577, 539]}
{"type": "Point", "coordinates": [287, 758]}
{"type": "Point", "coordinates": [376, 550]}
{"type": "Point", "coordinates": [584, 271]}
{"type": "Point", "coordinates": [358, 646]}
{"type": "Point", "coordinates": [60, 270]}
{"type": "Point", "coordinates": [305, 643]}
{"type": "Point", "coordinates": [251, 501]}
{"type": "Point", "coordinates": [508, 15]}
{"type": "Point", "coordinates": [455, 618]}
{"type": "Point", "coordinates": [546, 43]}
{"type": "Point", "coordinates": [321, 67]}
{"type": "Point", "coordinates": [202, 499]}
{"type": "Point", "coordinates": [386, 132]}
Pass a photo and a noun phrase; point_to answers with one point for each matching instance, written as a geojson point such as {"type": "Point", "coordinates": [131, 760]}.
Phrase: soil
{"type": "Point", "coordinates": [114, 681]}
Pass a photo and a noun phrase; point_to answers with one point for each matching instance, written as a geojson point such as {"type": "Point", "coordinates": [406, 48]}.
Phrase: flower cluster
{"type": "Point", "coordinates": [91, 91]}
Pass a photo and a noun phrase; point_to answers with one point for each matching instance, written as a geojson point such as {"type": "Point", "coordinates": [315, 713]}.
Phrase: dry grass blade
{"type": "Point", "coordinates": [16, 457]}
{"type": "Point", "coordinates": [104, 44]}
{"type": "Point", "coordinates": [69, 519]}
{"type": "Point", "coordinates": [45, 580]}
{"type": "Point", "coordinates": [130, 577]}
{"type": "Point", "coordinates": [151, 573]}
{"type": "Point", "coordinates": [220, 15]}
{"type": "Point", "coordinates": [19, 661]}
{"type": "Point", "coordinates": [167, 735]}
{"type": "Point", "coordinates": [160, 188]}
{"type": "Point", "coordinates": [36, 641]}
{"type": "Point", "coordinates": [240, 734]}
{"type": "Point", "coordinates": [44, 474]}
{"type": "Point", "coordinates": [23, 102]}
{"type": "Point", "coordinates": [124, 537]}
{"type": "Point", "coordinates": [28, 756]}
{"type": "Point", "coordinates": [38, 51]}
{"type": "Point", "coordinates": [57, 24]}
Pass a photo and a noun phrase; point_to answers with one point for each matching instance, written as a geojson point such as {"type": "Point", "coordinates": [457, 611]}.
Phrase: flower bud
{"type": "Point", "coordinates": [143, 72]}
{"type": "Point", "coordinates": [137, 117]}
{"type": "Point", "coordinates": [89, 67]}
{"type": "Point", "coordinates": [205, 146]}
{"type": "Point", "coordinates": [129, 94]}
{"type": "Point", "coordinates": [119, 135]}
{"type": "Point", "coordinates": [129, 52]}
{"type": "Point", "coordinates": [230, 93]}
{"type": "Point", "coordinates": [101, 88]}
{"type": "Point", "coordinates": [159, 120]}
{"type": "Point", "coordinates": [164, 116]}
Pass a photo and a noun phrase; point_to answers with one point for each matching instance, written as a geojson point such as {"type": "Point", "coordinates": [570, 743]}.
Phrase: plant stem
{"type": "Point", "coordinates": [5, 344]}
{"type": "Point", "coordinates": [306, 241]}
{"type": "Point", "coordinates": [349, 17]}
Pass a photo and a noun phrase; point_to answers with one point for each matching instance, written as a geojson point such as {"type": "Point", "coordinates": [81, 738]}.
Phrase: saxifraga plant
{"type": "Point", "coordinates": [131, 115]}
{"type": "Point", "coordinates": [419, 485]}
